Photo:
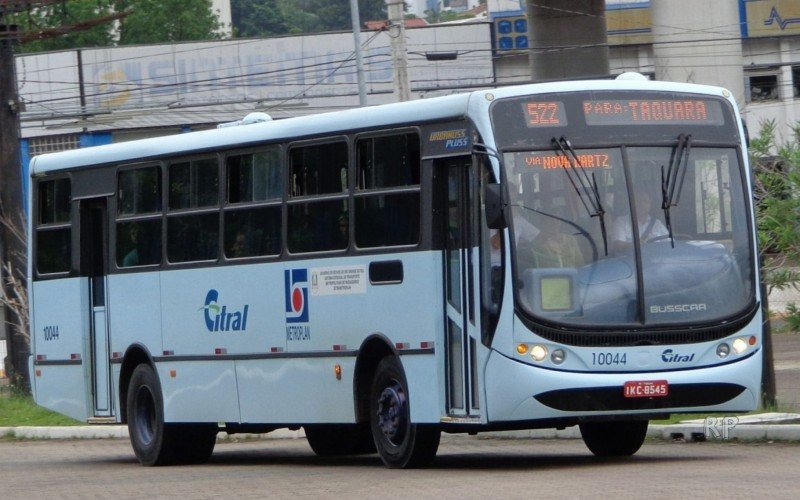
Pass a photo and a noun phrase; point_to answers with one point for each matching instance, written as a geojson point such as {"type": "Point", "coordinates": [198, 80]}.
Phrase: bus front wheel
{"type": "Point", "coordinates": [400, 443]}
{"type": "Point", "coordinates": [614, 439]}
{"type": "Point", "coordinates": [155, 442]}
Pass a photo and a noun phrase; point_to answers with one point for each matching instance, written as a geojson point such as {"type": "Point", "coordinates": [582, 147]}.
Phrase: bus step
{"type": "Point", "coordinates": [460, 420]}
{"type": "Point", "coordinates": [102, 420]}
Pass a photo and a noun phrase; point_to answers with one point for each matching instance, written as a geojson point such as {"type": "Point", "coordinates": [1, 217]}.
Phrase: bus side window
{"type": "Point", "coordinates": [138, 225]}
{"type": "Point", "coordinates": [387, 219]}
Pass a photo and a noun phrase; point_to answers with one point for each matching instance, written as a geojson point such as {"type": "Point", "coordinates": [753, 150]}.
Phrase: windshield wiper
{"type": "Point", "coordinates": [672, 180]}
{"type": "Point", "coordinates": [563, 146]}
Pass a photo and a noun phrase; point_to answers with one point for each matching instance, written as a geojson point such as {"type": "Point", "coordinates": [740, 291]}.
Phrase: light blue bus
{"type": "Point", "coordinates": [378, 276]}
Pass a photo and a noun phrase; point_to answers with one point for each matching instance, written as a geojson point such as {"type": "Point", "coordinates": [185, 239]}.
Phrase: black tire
{"type": "Point", "coordinates": [330, 440]}
{"type": "Point", "coordinates": [400, 443]}
{"type": "Point", "coordinates": [614, 439]}
{"type": "Point", "coordinates": [153, 441]}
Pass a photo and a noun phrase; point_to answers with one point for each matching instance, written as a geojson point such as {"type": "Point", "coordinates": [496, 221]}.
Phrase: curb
{"type": "Point", "coordinates": [686, 432]}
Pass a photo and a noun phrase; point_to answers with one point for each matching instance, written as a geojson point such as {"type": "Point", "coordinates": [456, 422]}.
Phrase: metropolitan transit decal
{"type": "Point", "coordinates": [341, 280]}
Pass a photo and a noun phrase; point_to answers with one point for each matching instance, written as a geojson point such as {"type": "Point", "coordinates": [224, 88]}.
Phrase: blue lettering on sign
{"type": "Point", "coordinates": [668, 356]}
{"type": "Point", "coordinates": [217, 317]}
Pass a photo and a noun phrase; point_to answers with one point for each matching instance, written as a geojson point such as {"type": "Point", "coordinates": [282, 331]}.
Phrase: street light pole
{"type": "Point", "coordinates": [354, 19]}
{"type": "Point", "coordinates": [397, 33]}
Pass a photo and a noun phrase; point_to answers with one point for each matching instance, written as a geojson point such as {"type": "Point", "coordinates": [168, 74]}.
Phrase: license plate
{"type": "Point", "coordinates": [646, 389]}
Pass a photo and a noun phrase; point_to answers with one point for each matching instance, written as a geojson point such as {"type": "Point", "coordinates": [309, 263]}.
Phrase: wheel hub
{"type": "Point", "coordinates": [392, 413]}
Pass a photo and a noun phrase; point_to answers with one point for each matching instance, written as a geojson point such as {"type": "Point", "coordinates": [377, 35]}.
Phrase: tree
{"type": "Point", "coordinates": [252, 18]}
{"type": "Point", "coordinates": [60, 14]}
{"type": "Point", "coordinates": [158, 21]}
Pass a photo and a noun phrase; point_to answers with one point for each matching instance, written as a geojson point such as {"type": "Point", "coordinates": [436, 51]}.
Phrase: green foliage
{"type": "Point", "coordinates": [20, 410]}
{"type": "Point", "coordinates": [158, 21]}
{"type": "Point", "coordinates": [278, 17]}
{"type": "Point", "coordinates": [777, 195]}
{"type": "Point", "coordinates": [67, 13]}
{"type": "Point", "coordinates": [792, 317]}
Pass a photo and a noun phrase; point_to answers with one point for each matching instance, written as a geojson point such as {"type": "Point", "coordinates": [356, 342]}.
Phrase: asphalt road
{"type": "Point", "coordinates": [466, 467]}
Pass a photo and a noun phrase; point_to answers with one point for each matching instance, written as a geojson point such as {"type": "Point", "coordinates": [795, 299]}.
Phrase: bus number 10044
{"type": "Point", "coordinates": [609, 358]}
{"type": "Point", "coordinates": [51, 333]}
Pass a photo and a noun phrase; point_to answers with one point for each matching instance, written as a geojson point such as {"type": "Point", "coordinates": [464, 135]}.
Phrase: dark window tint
{"type": "Point", "coordinates": [387, 220]}
{"type": "Point", "coordinates": [193, 237]}
{"type": "Point", "coordinates": [53, 251]}
{"type": "Point", "coordinates": [319, 169]}
{"type": "Point", "coordinates": [139, 191]}
{"type": "Point", "coordinates": [54, 201]}
{"type": "Point", "coordinates": [254, 176]}
{"type": "Point", "coordinates": [193, 184]}
{"type": "Point", "coordinates": [388, 161]}
{"type": "Point", "coordinates": [318, 226]}
{"type": "Point", "coordinates": [253, 232]}
{"type": "Point", "coordinates": [138, 243]}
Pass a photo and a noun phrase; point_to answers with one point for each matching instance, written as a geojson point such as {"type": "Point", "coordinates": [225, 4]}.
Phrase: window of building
{"type": "Point", "coordinates": [387, 209]}
{"type": "Point", "coordinates": [763, 88]}
{"type": "Point", "coordinates": [53, 232]}
{"type": "Point", "coordinates": [138, 225]}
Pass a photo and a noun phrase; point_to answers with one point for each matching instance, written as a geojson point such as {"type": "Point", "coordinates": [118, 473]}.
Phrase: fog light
{"type": "Point", "coordinates": [558, 356]}
{"type": "Point", "coordinates": [538, 352]}
{"type": "Point", "coordinates": [739, 345]}
{"type": "Point", "coordinates": [723, 350]}
{"type": "Point", "coordinates": [522, 348]}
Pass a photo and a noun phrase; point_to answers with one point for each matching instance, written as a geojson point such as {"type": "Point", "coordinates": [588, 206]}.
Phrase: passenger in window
{"type": "Point", "coordinates": [132, 257]}
{"type": "Point", "coordinates": [650, 227]}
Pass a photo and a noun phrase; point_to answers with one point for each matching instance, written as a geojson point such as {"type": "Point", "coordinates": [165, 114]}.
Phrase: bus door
{"type": "Point", "coordinates": [94, 268]}
{"type": "Point", "coordinates": [461, 281]}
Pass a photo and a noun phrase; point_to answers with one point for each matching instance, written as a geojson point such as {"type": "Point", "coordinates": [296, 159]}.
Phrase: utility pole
{"type": "Point", "coordinates": [356, 22]}
{"type": "Point", "coordinates": [397, 33]}
{"type": "Point", "coordinates": [11, 248]}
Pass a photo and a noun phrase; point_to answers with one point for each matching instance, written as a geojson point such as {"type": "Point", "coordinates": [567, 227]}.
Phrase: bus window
{"type": "Point", "coordinates": [254, 176]}
{"type": "Point", "coordinates": [318, 169]}
{"type": "Point", "coordinates": [253, 232]}
{"type": "Point", "coordinates": [53, 248]}
{"type": "Point", "coordinates": [193, 184]}
{"type": "Point", "coordinates": [387, 219]}
{"type": "Point", "coordinates": [138, 235]}
{"type": "Point", "coordinates": [318, 226]}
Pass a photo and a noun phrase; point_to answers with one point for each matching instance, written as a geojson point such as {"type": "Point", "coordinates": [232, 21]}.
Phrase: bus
{"type": "Point", "coordinates": [378, 276]}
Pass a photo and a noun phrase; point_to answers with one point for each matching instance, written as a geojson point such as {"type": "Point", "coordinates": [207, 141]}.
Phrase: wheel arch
{"type": "Point", "coordinates": [372, 351]}
{"type": "Point", "coordinates": [135, 355]}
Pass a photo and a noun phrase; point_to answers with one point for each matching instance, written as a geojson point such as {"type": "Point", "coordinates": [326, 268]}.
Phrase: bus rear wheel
{"type": "Point", "coordinates": [614, 439]}
{"type": "Point", "coordinates": [332, 440]}
{"type": "Point", "coordinates": [155, 442]}
{"type": "Point", "coordinates": [400, 443]}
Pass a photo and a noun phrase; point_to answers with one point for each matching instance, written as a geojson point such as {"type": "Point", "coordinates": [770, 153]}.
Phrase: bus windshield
{"type": "Point", "coordinates": [635, 226]}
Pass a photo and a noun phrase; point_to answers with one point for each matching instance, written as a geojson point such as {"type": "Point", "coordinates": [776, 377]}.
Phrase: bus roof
{"type": "Point", "coordinates": [418, 111]}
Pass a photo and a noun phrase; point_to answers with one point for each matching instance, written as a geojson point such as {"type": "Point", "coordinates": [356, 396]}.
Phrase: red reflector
{"type": "Point", "coordinates": [276, 349]}
{"type": "Point", "coordinates": [339, 347]}
{"type": "Point", "coordinates": [116, 355]}
{"type": "Point", "coordinates": [41, 357]}
{"type": "Point", "coordinates": [402, 345]}
{"type": "Point", "coordinates": [169, 353]}
{"type": "Point", "coordinates": [74, 356]}
{"type": "Point", "coordinates": [220, 350]}
{"type": "Point", "coordinates": [426, 345]}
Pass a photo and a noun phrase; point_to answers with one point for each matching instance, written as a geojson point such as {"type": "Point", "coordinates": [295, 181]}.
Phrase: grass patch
{"type": "Point", "coordinates": [20, 410]}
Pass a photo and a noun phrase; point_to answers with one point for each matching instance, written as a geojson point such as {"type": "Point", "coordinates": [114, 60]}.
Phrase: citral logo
{"type": "Point", "coordinates": [218, 319]}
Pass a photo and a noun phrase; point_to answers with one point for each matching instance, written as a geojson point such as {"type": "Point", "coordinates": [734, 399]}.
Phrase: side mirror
{"type": "Point", "coordinates": [493, 199]}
